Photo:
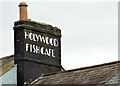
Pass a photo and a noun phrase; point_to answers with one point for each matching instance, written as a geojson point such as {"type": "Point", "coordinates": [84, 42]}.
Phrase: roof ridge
{"type": "Point", "coordinates": [39, 78]}
{"type": "Point", "coordinates": [5, 57]}
{"type": "Point", "coordinates": [115, 62]}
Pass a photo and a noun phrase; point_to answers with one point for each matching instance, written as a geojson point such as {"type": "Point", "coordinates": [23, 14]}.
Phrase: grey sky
{"type": "Point", "coordinates": [89, 29]}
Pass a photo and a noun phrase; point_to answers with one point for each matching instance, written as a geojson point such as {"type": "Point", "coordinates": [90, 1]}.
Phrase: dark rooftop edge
{"type": "Point", "coordinates": [83, 68]}
{"type": "Point", "coordinates": [5, 57]}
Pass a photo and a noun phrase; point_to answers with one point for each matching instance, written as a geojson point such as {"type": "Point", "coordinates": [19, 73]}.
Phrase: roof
{"type": "Point", "coordinates": [6, 64]}
{"type": "Point", "coordinates": [98, 74]}
{"type": "Point", "coordinates": [106, 73]}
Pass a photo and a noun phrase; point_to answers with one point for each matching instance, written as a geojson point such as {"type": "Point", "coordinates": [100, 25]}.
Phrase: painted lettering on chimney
{"type": "Point", "coordinates": [40, 49]}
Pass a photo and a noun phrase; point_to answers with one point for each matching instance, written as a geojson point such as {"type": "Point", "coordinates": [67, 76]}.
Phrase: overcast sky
{"type": "Point", "coordinates": [89, 29]}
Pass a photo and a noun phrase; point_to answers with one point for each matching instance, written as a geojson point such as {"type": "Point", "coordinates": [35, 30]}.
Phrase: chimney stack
{"type": "Point", "coordinates": [23, 11]}
{"type": "Point", "coordinates": [37, 48]}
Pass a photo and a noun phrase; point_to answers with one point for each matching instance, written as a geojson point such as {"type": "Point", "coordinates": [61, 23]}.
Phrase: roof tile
{"type": "Point", "coordinates": [98, 74]}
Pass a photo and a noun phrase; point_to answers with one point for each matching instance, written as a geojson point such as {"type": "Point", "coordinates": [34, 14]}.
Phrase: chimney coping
{"type": "Point", "coordinates": [35, 22]}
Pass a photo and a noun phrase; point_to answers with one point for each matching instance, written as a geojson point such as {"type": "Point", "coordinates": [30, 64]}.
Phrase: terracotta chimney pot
{"type": "Point", "coordinates": [23, 11]}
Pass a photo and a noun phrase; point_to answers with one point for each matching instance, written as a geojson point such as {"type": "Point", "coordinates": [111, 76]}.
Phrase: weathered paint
{"type": "Point", "coordinates": [30, 65]}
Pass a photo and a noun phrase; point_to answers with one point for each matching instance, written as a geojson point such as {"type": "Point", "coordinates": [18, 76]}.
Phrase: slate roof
{"type": "Point", "coordinates": [97, 75]}
{"type": "Point", "coordinates": [87, 76]}
{"type": "Point", "coordinates": [6, 64]}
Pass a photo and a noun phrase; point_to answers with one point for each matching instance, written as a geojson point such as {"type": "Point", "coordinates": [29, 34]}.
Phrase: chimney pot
{"type": "Point", "coordinates": [23, 4]}
{"type": "Point", "coordinates": [23, 11]}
